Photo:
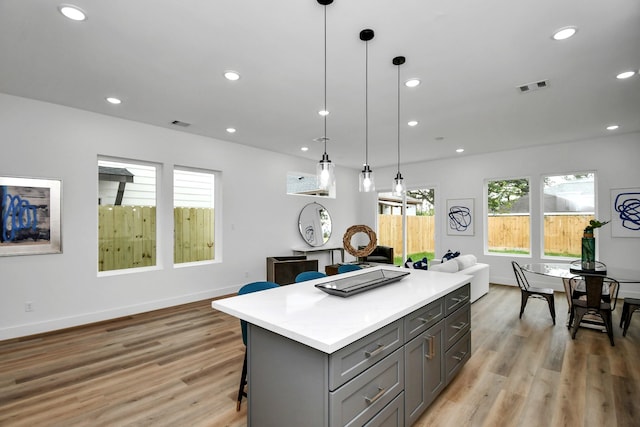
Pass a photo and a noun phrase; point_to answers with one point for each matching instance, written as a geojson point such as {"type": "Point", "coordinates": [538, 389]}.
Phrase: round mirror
{"type": "Point", "coordinates": [314, 223]}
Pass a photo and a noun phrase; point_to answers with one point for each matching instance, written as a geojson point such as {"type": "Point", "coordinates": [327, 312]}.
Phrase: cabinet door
{"type": "Point", "coordinates": [424, 371]}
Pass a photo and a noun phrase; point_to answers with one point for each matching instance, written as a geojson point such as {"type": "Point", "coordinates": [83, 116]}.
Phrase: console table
{"type": "Point", "coordinates": [309, 250]}
{"type": "Point", "coordinates": [376, 358]}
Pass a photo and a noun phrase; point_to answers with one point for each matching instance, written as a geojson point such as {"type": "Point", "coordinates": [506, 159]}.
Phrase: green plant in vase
{"type": "Point", "coordinates": [593, 224]}
{"type": "Point", "coordinates": [589, 244]}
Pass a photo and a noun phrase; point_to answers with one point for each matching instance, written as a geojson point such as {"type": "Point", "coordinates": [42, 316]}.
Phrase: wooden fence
{"type": "Point", "coordinates": [506, 232]}
{"type": "Point", "coordinates": [127, 236]}
{"type": "Point", "coordinates": [193, 235]}
{"type": "Point", "coordinates": [420, 232]}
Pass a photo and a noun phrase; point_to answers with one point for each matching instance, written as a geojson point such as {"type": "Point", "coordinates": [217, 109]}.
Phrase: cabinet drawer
{"type": "Point", "coordinates": [457, 325]}
{"type": "Point", "coordinates": [457, 356]}
{"type": "Point", "coordinates": [456, 299]}
{"type": "Point", "coordinates": [360, 399]}
{"type": "Point", "coordinates": [353, 359]}
{"type": "Point", "coordinates": [423, 318]}
{"type": "Point", "coordinates": [391, 416]}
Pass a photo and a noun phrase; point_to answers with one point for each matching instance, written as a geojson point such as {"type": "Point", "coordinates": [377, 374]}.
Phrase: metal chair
{"type": "Point", "coordinates": [343, 268]}
{"type": "Point", "coordinates": [630, 306]}
{"type": "Point", "coordinates": [527, 291]}
{"type": "Point", "coordinates": [598, 299]}
{"type": "Point", "coordinates": [246, 289]}
{"type": "Point", "coordinates": [309, 275]}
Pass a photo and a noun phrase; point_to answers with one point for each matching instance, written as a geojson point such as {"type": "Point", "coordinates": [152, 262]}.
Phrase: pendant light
{"type": "Point", "coordinates": [367, 183]}
{"type": "Point", "coordinates": [325, 169]}
{"type": "Point", "coordinates": [398, 182]}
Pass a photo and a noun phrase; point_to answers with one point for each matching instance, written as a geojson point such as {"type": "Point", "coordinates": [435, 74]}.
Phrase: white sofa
{"type": "Point", "coordinates": [466, 264]}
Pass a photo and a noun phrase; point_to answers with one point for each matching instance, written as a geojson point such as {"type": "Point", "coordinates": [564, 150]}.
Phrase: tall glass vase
{"type": "Point", "coordinates": [588, 253]}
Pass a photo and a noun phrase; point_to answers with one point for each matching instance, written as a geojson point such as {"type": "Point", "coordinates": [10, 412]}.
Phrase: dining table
{"type": "Point", "coordinates": [568, 270]}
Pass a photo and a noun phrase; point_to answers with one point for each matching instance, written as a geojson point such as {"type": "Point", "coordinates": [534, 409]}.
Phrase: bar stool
{"type": "Point", "coordinates": [246, 289]}
{"type": "Point", "coordinates": [629, 307]}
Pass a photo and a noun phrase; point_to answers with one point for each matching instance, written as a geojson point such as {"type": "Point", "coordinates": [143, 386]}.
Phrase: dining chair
{"type": "Point", "coordinates": [343, 268]}
{"type": "Point", "coordinates": [246, 289]}
{"type": "Point", "coordinates": [598, 299]}
{"type": "Point", "coordinates": [630, 306]}
{"type": "Point", "coordinates": [527, 291]}
{"type": "Point", "coordinates": [309, 275]}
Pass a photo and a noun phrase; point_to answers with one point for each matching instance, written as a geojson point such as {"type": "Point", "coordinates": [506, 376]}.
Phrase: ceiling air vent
{"type": "Point", "coordinates": [530, 87]}
{"type": "Point", "coordinates": [179, 123]}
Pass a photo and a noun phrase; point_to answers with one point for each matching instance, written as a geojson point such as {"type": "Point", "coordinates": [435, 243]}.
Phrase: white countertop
{"type": "Point", "coordinates": [326, 322]}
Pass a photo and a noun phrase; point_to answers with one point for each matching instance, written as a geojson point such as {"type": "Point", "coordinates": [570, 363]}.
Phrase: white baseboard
{"type": "Point", "coordinates": [50, 325]}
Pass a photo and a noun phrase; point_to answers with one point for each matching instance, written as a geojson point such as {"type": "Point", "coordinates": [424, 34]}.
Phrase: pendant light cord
{"type": "Point", "coordinates": [366, 104]}
{"type": "Point", "coordinates": [325, 80]}
{"type": "Point", "coordinates": [398, 119]}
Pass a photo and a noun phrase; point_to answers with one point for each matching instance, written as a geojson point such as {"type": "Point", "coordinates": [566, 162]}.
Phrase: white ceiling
{"type": "Point", "coordinates": [165, 59]}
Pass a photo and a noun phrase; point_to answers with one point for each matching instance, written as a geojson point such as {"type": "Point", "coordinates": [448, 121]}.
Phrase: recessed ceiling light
{"type": "Point", "coordinates": [625, 75]}
{"type": "Point", "coordinates": [113, 100]}
{"type": "Point", "coordinates": [323, 112]}
{"type": "Point", "coordinates": [231, 130]}
{"type": "Point", "coordinates": [304, 148]}
{"type": "Point", "coordinates": [564, 33]}
{"type": "Point", "coordinates": [231, 75]}
{"type": "Point", "coordinates": [460, 150]}
{"type": "Point", "coordinates": [413, 123]}
{"type": "Point", "coordinates": [72, 12]}
{"type": "Point", "coordinates": [613, 127]}
{"type": "Point", "coordinates": [412, 83]}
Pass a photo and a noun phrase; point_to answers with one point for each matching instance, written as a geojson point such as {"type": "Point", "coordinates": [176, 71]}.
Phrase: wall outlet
{"type": "Point", "coordinates": [28, 306]}
{"type": "Point", "coordinates": [246, 274]}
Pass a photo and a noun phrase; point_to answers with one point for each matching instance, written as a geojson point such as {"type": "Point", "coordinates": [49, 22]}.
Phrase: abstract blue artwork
{"type": "Point", "coordinates": [625, 212]}
{"type": "Point", "coordinates": [30, 215]}
{"type": "Point", "coordinates": [460, 217]}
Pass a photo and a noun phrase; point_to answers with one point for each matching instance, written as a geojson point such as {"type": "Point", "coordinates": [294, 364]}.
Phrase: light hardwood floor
{"type": "Point", "coordinates": [181, 367]}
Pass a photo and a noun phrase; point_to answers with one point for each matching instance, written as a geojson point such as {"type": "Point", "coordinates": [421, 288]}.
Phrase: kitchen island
{"type": "Point", "coordinates": [375, 358]}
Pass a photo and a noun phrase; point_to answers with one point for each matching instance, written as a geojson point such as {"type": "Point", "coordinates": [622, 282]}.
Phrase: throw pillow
{"type": "Point", "coordinates": [450, 266]}
{"type": "Point", "coordinates": [466, 261]}
{"type": "Point", "coordinates": [450, 255]}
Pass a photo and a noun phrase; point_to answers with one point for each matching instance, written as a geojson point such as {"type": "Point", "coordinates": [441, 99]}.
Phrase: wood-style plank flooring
{"type": "Point", "coordinates": [181, 367]}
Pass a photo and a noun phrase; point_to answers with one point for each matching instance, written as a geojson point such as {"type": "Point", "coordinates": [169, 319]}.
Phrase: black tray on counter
{"type": "Point", "coordinates": [347, 286]}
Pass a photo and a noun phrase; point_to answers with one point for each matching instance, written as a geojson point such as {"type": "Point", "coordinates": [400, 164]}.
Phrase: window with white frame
{"type": "Point", "coordinates": [508, 216]}
{"type": "Point", "coordinates": [126, 214]}
{"type": "Point", "coordinates": [193, 215]}
{"type": "Point", "coordinates": [568, 205]}
{"type": "Point", "coordinates": [420, 219]}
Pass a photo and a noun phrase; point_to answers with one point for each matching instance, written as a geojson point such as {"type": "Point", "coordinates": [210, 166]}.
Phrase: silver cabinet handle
{"type": "Point", "coordinates": [462, 355]}
{"type": "Point", "coordinates": [460, 325]}
{"type": "Point", "coordinates": [432, 351]}
{"type": "Point", "coordinates": [378, 395]}
{"type": "Point", "coordinates": [428, 319]}
{"type": "Point", "coordinates": [375, 352]}
{"type": "Point", "coordinates": [460, 298]}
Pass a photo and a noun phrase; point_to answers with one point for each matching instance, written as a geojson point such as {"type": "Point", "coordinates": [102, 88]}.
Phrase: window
{"type": "Point", "coordinates": [420, 217]}
{"type": "Point", "coordinates": [508, 221]}
{"type": "Point", "coordinates": [193, 215]}
{"type": "Point", "coordinates": [126, 215]}
{"type": "Point", "coordinates": [568, 205]}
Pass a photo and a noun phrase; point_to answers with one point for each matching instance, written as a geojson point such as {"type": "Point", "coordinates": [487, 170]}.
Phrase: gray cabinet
{"type": "Point", "coordinates": [424, 371]}
{"type": "Point", "coordinates": [387, 378]}
{"type": "Point", "coordinates": [434, 357]}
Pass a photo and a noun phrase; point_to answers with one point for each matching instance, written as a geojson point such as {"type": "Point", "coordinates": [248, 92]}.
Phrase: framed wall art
{"type": "Point", "coordinates": [30, 216]}
{"type": "Point", "coordinates": [460, 217]}
{"type": "Point", "coordinates": [625, 212]}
